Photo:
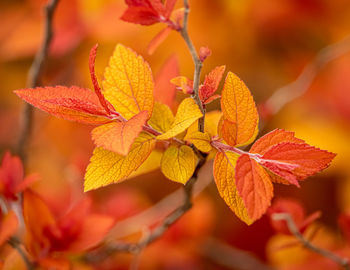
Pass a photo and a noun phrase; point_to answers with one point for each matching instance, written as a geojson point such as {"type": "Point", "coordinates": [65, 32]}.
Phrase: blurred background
{"type": "Point", "coordinates": [267, 43]}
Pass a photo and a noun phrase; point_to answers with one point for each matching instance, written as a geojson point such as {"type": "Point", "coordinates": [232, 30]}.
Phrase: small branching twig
{"type": "Point", "coordinates": [16, 244]}
{"type": "Point", "coordinates": [290, 92]}
{"type": "Point", "coordinates": [197, 65]}
{"type": "Point", "coordinates": [344, 262]}
{"type": "Point", "coordinates": [34, 77]}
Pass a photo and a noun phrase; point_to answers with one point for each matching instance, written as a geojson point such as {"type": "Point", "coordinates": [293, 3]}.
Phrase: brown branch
{"type": "Point", "coordinates": [34, 77]}
{"type": "Point", "coordinates": [344, 262]}
{"type": "Point", "coordinates": [16, 244]}
{"type": "Point", "coordinates": [291, 91]}
{"type": "Point", "coordinates": [230, 257]}
{"type": "Point", "coordinates": [197, 65]}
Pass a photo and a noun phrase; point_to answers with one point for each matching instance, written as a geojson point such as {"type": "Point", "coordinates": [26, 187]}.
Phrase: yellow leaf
{"type": "Point", "coordinates": [107, 167]}
{"type": "Point", "coordinates": [224, 174]}
{"type": "Point", "coordinates": [128, 83]}
{"type": "Point", "coordinates": [162, 117]}
{"type": "Point", "coordinates": [239, 109]}
{"type": "Point", "coordinates": [187, 113]}
{"type": "Point", "coordinates": [210, 123]}
{"type": "Point", "coordinates": [200, 140]}
{"type": "Point", "coordinates": [150, 164]}
{"type": "Point", "coordinates": [178, 163]}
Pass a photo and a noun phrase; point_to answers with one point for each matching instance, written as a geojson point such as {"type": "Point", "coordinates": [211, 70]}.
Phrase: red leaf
{"type": "Point", "coordinates": [71, 103]}
{"type": "Point", "coordinates": [297, 212]}
{"type": "Point", "coordinates": [254, 186]}
{"type": "Point", "coordinates": [298, 160]}
{"type": "Point", "coordinates": [272, 138]}
{"type": "Point", "coordinates": [169, 6]}
{"type": "Point", "coordinates": [211, 83]}
{"type": "Point", "coordinates": [140, 15]}
{"type": "Point", "coordinates": [97, 88]}
{"type": "Point", "coordinates": [165, 91]}
{"type": "Point", "coordinates": [204, 53]}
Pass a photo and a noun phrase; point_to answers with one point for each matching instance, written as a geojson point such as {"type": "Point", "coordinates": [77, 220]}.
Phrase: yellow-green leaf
{"type": "Point", "coordinates": [128, 83]}
{"type": "Point", "coordinates": [162, 117]}
{"type": "Point", "coordinates": [187, 113]}
{"type": "Point", "coordinates": [178, 163]}
{"type": "Point", "coordinates": [200, 140]}
{"type": "Point", "coordinates": [239, 109]}
{"type": "Point", "coordinates": [107, 167]}
{"type": "Point", "coordinates": [224, 174]}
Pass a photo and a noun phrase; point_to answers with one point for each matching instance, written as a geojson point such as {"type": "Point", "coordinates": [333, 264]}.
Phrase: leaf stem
{"type": "Point", "coordinates": [16, 244]}
{"type": "Point", "coordinates": [344, 262]}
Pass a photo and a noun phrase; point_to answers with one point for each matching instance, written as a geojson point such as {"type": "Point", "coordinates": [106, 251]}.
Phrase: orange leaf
{"type": "Point", "coordinates": [211, 84]}
{"type": "Point", "coordinates": [164, 90]}
{"type": "Point", "coordinates": [272, 138]}
{"type": "Point", "coordinates": [239, 108]}
{"type": "Point", "coordinates": [8, 226]}
{"type": "Point", "coordinates": [296, 161]}
{"type": "Point", "coordinates": [204, 53]}
{"type": "Point", "coordinates": [224, 174]}
{"type": "Point", "coordinates": [71, 103]}
{"type": "Point", "coordinates": [183, 83]}
{"type": "Point", "coordinates": [157, 40]}
{"type": "Point", "coordinates": [254, 186]}
{"type": "Point", "coordinates": [37, 216]}
{"type": "Point", "coordinates": [128, 83]}
{"type": "Point", "coordinates": [119, 136]}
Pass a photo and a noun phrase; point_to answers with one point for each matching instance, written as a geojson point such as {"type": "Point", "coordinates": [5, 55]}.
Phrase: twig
{"type": "Point", "coordinates": [34, 76]}
{"type": "Point", "coordinates": [197, 65]}
{"type": "Point", "coordinates": [230, 257]}
{"type": "Point", "coordinates": [344, 262]}
{"type": "Point", "coordinates": [288, 93]}
{"type": "Point", "coordinates": [16, 244]}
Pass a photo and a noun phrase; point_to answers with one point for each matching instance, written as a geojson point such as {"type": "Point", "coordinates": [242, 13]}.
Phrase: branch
{"type": "Point", "coordinates": [230, 257]}
{"type": "Point", "coordinates": [288, 93]}
{"type": "Point", "coordinates": [197, 65]}
{"type": "Point", "coordinates": [34, 76]}
{"type": "Point", "coordinates": [344, 262]}
{"type": "Point", "coordinates": [16, 244]}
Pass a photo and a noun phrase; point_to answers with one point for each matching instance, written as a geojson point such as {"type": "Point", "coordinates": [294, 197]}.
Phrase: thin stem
{"type": "Point", "coordinates": [16, 244]}
{"type": "Point", "coordinates": [344, 262]}
{"type": "Point", "coordinates": [197, 65]}
{"type": "Point", "coordinates": [34, 77]}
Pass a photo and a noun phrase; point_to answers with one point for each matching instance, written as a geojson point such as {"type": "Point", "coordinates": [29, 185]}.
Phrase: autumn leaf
{"type": "Point", "coordinates": [107, 167]}
{"type": "Point", "coordinates": [128, 83]}
{"type": "Point", "coordinates": [204, 53]}
{"type": "Point", "coordinates": [162, 117]}
{"type": "Point", "coordinates": [224, 175]}
{"type": "Point", "coordinates": [295, 210]}
{"type": "Point", "coordinates": [273, 138]}
{"type": "Point", "coordinates": [187, 113]}
{"type": "Point", "coordinates": [254, 186]}
{"type": "Point", "coordinates": [211, 84]}
{"type": "Point", "coordinates": [8, 226]}
{"type": "Point", "coordinates": [71, 103]}
{"type": "Point", "coordinates": [148, 12]}
{"type": "Point", "coordinates": [201, 140]}
{"type": "Point", "coordinates": [296, 161]}
{"type": "Point", "coordinates": [165, 91]}
{"type": "Point", "coordinates": [183, 83]}
{"type": "Point", "coordinates": [150, 164]}
{"type": "Point", "coordinates": [178, 163]}
{"type": "Point", "coordinates": [12, 179]}
{"type": "Point", "coordinates": [157, 40]}
{"type": "Point", "coordinates": [239, 109]}
{"type": "Point", "coordinates": [119, 136]}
